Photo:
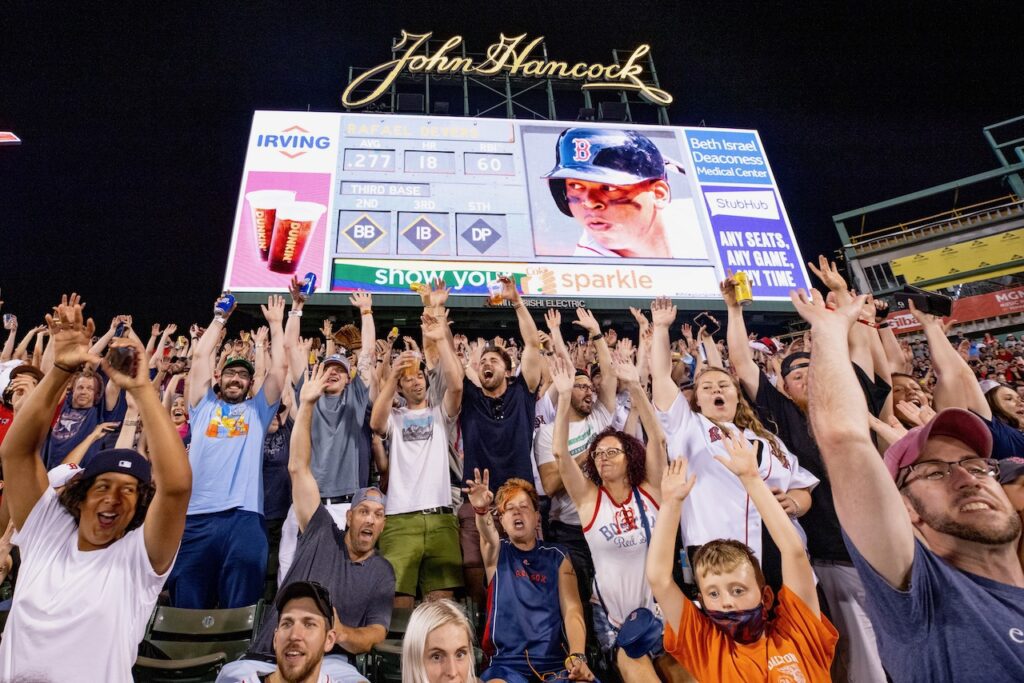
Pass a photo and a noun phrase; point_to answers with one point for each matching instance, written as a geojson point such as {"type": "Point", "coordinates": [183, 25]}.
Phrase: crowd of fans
{"type": "Point", "coordinates": [711, 505]}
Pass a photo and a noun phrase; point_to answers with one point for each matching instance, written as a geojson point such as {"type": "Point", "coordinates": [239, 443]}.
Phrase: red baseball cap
{"type": "Point", "coordinates": [957, 423]}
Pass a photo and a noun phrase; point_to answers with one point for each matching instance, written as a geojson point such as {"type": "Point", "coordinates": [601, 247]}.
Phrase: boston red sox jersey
{"type": "Point", "coordinates": [718, 505]}
{"type": "Point", "coordinates": [618, 544]}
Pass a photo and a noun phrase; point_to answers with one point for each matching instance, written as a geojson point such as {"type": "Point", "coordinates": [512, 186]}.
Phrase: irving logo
{"type": "Point", "coordinates": [291, 139]}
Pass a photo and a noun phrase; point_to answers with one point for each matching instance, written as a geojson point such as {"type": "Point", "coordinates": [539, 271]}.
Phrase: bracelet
{"type": "Point", "coordinates": [481, 511]}
{"type": "Point", "coordinates": [295, 313]}
{"type": "Point", "coordinates": [571, 660]}
{"type": "Point", "coordinates": [867, 322]}
{"type": "Point", "coordinates": [219, 318]}
{"type": "Point", "coordinates": [882, 325]}
{"type": "Point", "coordinates": [70, 371]}
{"type": "Point", "coordinates": [368, 311]}
{"type": "Point", "coordinates": [595, 337]}
{"type": "Point", "coordinates": [796, 505]}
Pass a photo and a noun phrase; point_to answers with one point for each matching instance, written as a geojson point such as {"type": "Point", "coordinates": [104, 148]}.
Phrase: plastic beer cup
{"type": "Point", "coordinates": [263, 207]}
{"type": "Point", "coordinates": [292, 229]}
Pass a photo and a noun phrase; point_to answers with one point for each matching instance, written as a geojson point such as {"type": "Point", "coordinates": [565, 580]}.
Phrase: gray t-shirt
{"type": "Point", "coordinates": [362, 592]}
{"type": "Point", "coordinates": [337, 431]}
{"type": "Point", "coordinates": [948, 625]}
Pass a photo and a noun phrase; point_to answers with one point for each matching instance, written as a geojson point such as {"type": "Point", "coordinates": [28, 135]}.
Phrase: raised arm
{"type": "Point", "coordinates": [172, 476]}
{"type": "Point", "coordinates": [530, 364]}
{"type": "Point", "coordinates": [588, 322]}
{"type": "Point", "coordinates": [868, 504]}
{"type": "Point", "coordinates": [582, 491]}
{"type": "Point", "coordinates": [273, 385]}
{"type": "Point", "coordinates": [202, 359]}
{"type": "Point", "coordinates": [957, 386]}
{"type": "Point", "coordinates": [298, 358]}
{"type": "Point", "coordinates": [368, 336]}
{"type": "Point", "coordinates": [386, 396]}
{"type": "Point", "coordinates": [12, 330]}
{"type": "Point", "coordinates": [24, 474]}
{"type": "Point", "coordinates": [480, 497]}
{"type": "Point", "coordinates": [663, 389]}
{"type": "Point", "coordinates": [305, 491]}
{"type": "Point", "coordinates": [657, 455]}
{"type": "Point", "coordinates": [675, 486]}
{"type": "Point", "coordinates": [435, 328]}
{"type": "Point", "coordinates": [741, 359]}
{"type": "Point", "coordinates": [796, 568]}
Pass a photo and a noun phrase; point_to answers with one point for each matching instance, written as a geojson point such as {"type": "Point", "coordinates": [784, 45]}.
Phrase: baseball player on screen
{"type": "Point", "coordinates": [614, 183]}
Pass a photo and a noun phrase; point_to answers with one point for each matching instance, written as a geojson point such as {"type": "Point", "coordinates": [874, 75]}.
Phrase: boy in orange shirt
{"type": "Point", "coordinates": [730, 639]}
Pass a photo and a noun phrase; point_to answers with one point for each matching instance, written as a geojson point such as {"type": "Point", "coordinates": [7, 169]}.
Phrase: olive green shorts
{"type": "Point", "coordinates": [424, 551]}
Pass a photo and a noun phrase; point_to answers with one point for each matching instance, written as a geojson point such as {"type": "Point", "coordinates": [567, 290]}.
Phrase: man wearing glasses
{"type": "Point", "coordinates": [947, 605]}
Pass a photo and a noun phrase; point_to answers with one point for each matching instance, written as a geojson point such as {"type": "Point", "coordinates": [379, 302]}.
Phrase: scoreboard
{"type": "Point", "coordinates": [570, 209]}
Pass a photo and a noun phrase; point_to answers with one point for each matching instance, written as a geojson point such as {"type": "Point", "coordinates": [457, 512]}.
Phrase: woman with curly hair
{"type": "Point", "coordinates": [719, 507]}
{"type": "Point", "coordinates": [617, 493]}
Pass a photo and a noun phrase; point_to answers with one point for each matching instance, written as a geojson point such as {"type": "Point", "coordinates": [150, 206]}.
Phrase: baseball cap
{"type": "Point", "coordinates": [789, 361]}
{"type": "Point", "coordinates": [62, 474]}
{"type": "Point", "coordinates": [236, 361]}
{"type": "Point", "coordinates": [320, 596]}
{"type": "Point", "coordinates": [960, 424]}
{"type": "Point", "coordinates": [370, 493]}
{"type": "Point", "coordinates": [26, 369]}
{"type": "Point", "coordinates": [640, 633]}
{"type": "Point", "coordinates": [122, 460]}
{"type": "Point", "coordinates": [337, 359]}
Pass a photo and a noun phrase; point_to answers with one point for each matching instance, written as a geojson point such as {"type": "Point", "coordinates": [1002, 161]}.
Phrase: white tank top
{"type": "Point", "coordinates": [618, 544]}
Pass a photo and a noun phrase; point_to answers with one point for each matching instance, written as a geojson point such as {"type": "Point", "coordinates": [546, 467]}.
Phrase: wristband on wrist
{"type": "Point", "coordinates": [595, 337]}
{"type": "Point", "coordinates": [366, 311]}
{"type": "Point", "coordinates": [219, 318]}
{"type": "Point", "coordinates": [70, 371]}
{"type": "Point", "coordinates": [481, 511]}
{"type": "Point", "coordinates": [295, 313]}
{"type": "Point", "coordinates": [571, 660]}
{"type": "Point", "coordinates": [882, 325]}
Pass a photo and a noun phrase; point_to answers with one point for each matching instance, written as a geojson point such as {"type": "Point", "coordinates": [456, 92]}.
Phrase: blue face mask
{"type": "Point", "coordinates": [743, 626]}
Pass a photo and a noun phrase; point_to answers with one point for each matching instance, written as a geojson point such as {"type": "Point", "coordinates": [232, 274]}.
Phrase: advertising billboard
{"type": "Point", "coordinates": [571, 209]}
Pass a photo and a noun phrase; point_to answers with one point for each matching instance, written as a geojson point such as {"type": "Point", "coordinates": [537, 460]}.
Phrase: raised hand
{"type": "Point", "coordinates": [362, 300]}
{"type": "Point", "coordinates": [892, 431]}
{"type": "Point", "coordinates": [295, 290]}
{"type": "Point", "coordinates": [273, 312]}
{"type": "Point", "coordinates": [71, 335]}
{"type": "Point", "coordinates": [508, 289]}
{"type": "Point", "coordinates": [728, 289]}
{"type": "Point", "coordinates": [742, 460]}
{"type": "Point", "coordinates": [663, 312]}
{"type": "Point", "coordinates": [587, 321]}
{"type": "Point", "coordinates": [169, 330]}
{"type": "Point", "coordinates": [675, 485]}
{"type": "Point", "coordinates": [641, 320]}
{"type": "Point", "coordinates": [611, 336]}
{"type": "Point", "coordinates": [259, 337]}
{"type": "Point", "coordinates": [625, 371]}
{"type": "Point", "coordinates": [434, 327]}
{"type": "Point", "coordinates": [478, 490]}
{"type": "Point", "coordinates": [154, 331]}
{"type": "Point", "coordinates": [135, 377]}
{"type": "Point", "coordinates": [626, 348]}
{"type": "Point", "coordinates": [314, 384]}
{"type": "Point", "coordinates": [553, 319]}
{"type": "Point", "coordinates": [327, 328]}
{"type": "Point", "coordinates": [437, 295]}
{"type": "Point", "coordinates": [562, 376]}
{"type": "Point", "coordinates": [812, 309]}
{"type": "Point", "coordinates": [405, 360]}
{"type": "Point", "coordinates": [828, 273]}
{"type": "Point", "coordinates": [410, 344]}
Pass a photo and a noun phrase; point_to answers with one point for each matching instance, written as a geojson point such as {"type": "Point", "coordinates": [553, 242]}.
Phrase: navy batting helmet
{"type": "Point", "coordinates": [615, 157]}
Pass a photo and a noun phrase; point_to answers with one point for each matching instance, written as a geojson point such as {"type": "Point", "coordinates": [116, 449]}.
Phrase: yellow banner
{"type": "Point", "coordinates": [947, 263]}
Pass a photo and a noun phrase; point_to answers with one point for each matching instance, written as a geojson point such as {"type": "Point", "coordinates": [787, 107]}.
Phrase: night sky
{"type": "Point", "coordinates": [135, 116]}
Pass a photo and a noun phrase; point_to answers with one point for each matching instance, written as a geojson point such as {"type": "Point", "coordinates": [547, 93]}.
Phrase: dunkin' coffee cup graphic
{"type": "Point", "coordinates": [292, 227]}
{"type": "Point", "coordinates": [263, 205]}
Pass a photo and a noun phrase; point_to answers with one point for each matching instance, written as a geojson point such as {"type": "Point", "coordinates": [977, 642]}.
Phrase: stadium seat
{"type": "Point", "coordinates": [191, 646]}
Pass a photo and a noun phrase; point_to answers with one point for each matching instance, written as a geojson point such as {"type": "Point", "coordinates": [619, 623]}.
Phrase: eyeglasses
{"type": "Point", "coordinates": [562, 675]}
{"type": "Point", "coordinates": [232, 372]}
{"type": "Point", "coordinates": [608, 454]}
{"type": "Point", "coordinates": [583, 387]}
{"type": "Point", "coordinates": [937, 470]}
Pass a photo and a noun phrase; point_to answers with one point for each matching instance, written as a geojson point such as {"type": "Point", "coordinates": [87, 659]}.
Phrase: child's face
{"type": "Point", "coordinates": [730, 591]}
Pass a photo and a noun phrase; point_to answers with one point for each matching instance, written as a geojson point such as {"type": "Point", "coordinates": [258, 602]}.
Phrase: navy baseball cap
{"type": "Point", "coordinates": [121, 460]}
{"type": "Point", "coordinates": [792, 359]}
{"type": "Point", "coordinates": [320, 596]}
{"type": "Point", "coordinates": [612, 156]}
{"type": "Point", "coordinates": [640, 633]}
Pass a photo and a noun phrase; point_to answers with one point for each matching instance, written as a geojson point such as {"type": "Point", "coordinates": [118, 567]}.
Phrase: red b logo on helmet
{"type": "Point", "coordinates": [581, 149]}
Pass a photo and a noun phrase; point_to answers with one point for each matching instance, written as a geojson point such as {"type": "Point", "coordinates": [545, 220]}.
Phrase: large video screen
{"type": "Point", "coordinates": [571, 209]}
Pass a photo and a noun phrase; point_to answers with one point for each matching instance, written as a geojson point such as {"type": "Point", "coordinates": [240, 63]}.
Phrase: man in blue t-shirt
{"type": "Point", "coordinates": [949, 604]}
{"type": "Point", "coordinates": [223, 554]}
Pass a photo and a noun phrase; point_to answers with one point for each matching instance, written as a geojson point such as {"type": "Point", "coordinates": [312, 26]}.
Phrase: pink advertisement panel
{"type": "Point", "coordinates": [282, 229]}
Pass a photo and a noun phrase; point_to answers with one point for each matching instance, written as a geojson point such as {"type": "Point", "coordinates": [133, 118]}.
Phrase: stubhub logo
{"type": "Point", "coordinates": [294, 138]}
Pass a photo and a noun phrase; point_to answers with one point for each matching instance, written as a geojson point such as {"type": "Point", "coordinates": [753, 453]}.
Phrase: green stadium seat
{"type": "Point", "coordinates": [191, 646]}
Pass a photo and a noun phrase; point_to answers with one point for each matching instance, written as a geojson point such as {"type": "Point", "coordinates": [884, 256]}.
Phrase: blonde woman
{"type": "Point", "coordinates": [438, 645]}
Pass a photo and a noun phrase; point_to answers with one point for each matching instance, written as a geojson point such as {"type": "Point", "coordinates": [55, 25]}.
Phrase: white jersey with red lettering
{"type": "Point", "coordinates": [618, 543]}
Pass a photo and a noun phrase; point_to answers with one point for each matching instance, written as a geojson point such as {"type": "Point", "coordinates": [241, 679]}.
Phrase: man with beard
{"type": "Point", "coordinates": [223, 555]}
{"type": "Point", "coordinates": [497, 424]}
{"type": "Point", "coordinates": [786, 410]}
{"type": "Point", "coordinates": [421, 539]}
{"type": "Point", "coordinates": [304, 633]}
{"type": "Point", "coordinates": [341, 448]}
{"type": "Point", "coordinates": [949, 604]}
{"type": "Point", "coordinates": [344, 562]}
{"type": "Point", "coordinates": [587, 417]}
